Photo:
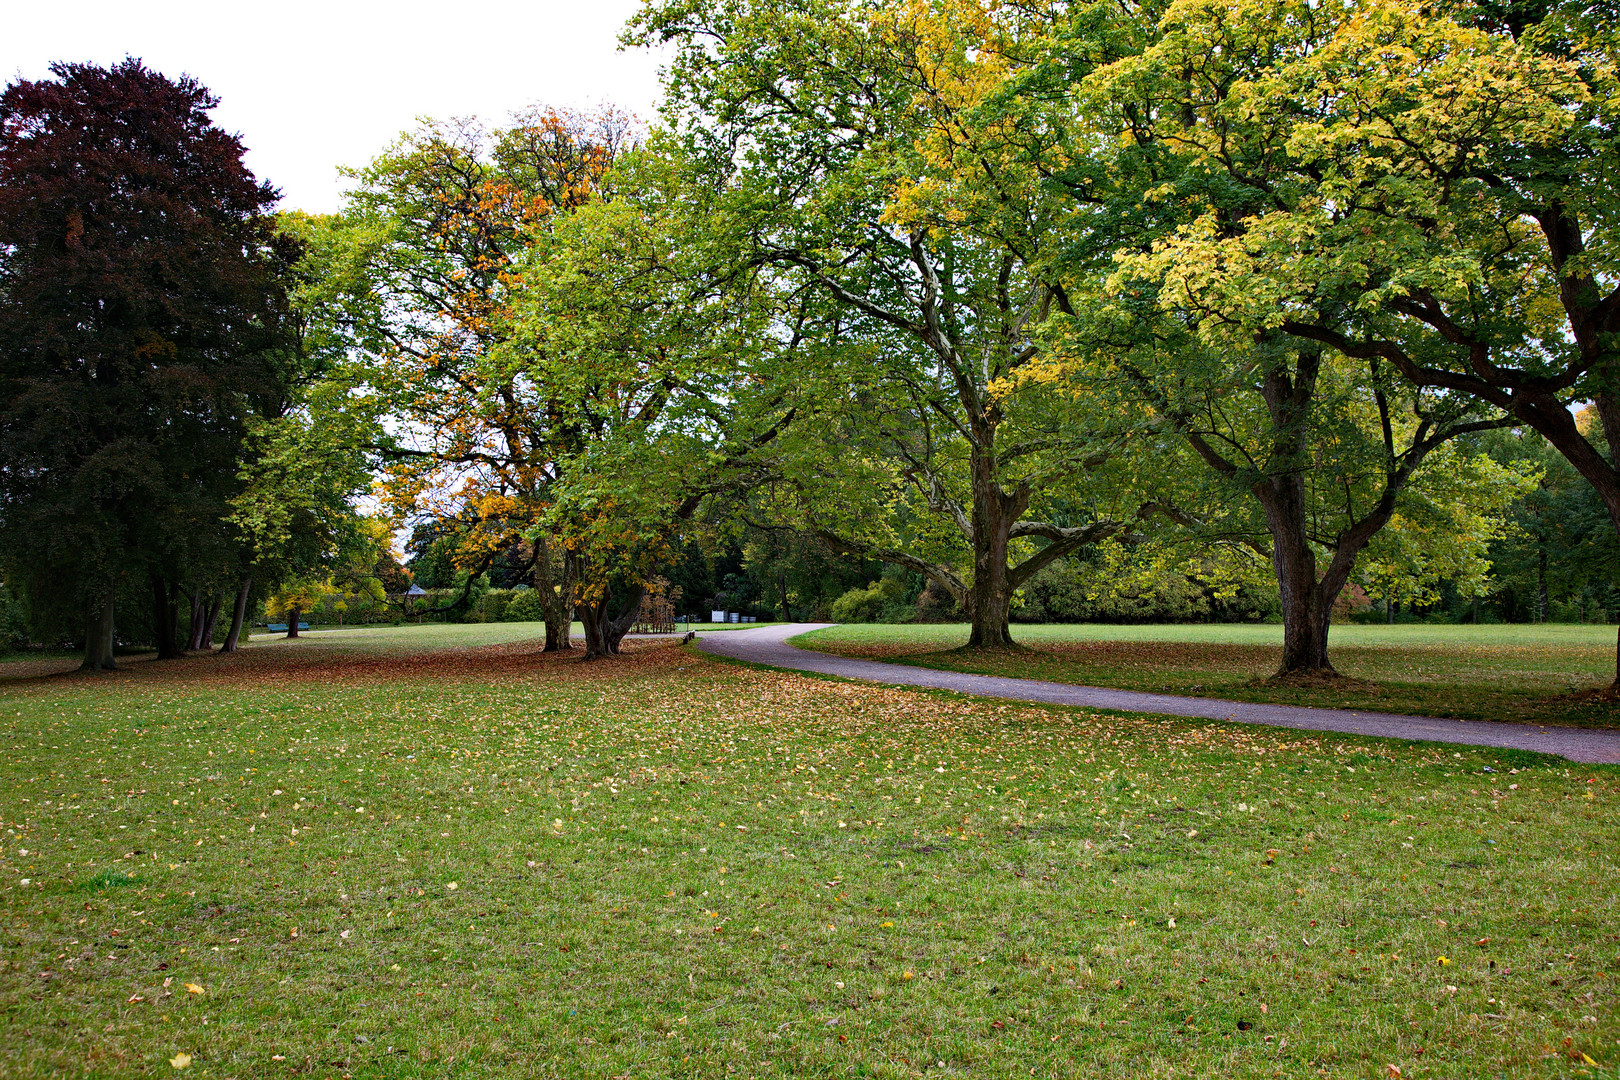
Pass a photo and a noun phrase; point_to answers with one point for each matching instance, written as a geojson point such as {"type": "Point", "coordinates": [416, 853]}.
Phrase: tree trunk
{"type": "Point", "coordinates": [98, 637]}
{"type": "Point", "coordinates": [1541, 584]}
{"type": "Point", "coordinates": [199, 615]}
{"type": "Point", "coordinates": [210, 620]}
{"type": "Point", "coordinates": [163, 620]}
{"type": "Point", "coordinates": [556, 586]}
{"type": "Point", "coordinates": [238, 615]}
{"type": "Point", "coordinates": [989, 598]}
{"type": "Point", "coordinates": [292, 621]}
{"type": "Point", "coordinates": [1307, 601]}
{"type": "Point", "coordinates": [1306, 611]}
{"type": "Point", "coordinates": [603, 633]}
{"type": "Point", "coordinates": [989, 604]}
{"type": "Point", "coordinates": [781, 584]}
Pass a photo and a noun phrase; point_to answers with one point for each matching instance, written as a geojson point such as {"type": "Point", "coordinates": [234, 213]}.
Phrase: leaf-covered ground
{"type": "Point", "coordinates": [490, 862]}
{"type": "Point", "coordinates": [1542, 674]}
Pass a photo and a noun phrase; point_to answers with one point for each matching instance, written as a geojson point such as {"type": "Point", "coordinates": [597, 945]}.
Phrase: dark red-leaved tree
{"type": "Point", "coordinates": [140, 315]}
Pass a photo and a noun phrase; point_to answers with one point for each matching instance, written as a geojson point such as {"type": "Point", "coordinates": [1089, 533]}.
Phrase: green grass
{"type": "Point", "coordinates": [1526, 673]}
{"type": "Point", "coordinates": [322, 642]}
{"type": "Point", "coordinates": [495, 863]}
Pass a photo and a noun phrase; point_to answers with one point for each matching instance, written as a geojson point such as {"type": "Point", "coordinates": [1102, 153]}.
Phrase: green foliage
{"type": "Point", "coordinates": [13, 619]}
{"type": "Point", "coordinates": [1071, 591]}
{"type": "Point", "coordinates": [436, 568]}
{"type": "Point", "coordinates": [883, 600]}
{"type": "Point", "coordinates": [524, 606]}
{"type": "Point", "coordinates": [1453, 510]}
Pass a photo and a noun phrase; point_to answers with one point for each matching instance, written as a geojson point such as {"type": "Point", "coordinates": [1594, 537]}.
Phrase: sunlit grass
{"type": "Point", "coordinates": [512, 865]}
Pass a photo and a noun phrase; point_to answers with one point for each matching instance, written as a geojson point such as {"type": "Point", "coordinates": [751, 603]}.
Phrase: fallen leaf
{"type": "Point", "coordinates": [193, 988]}
{"type": "Point", "coordinates": [180, 1061]}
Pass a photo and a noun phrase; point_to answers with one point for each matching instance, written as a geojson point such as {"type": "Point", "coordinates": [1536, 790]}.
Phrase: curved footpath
{"type": "Point", "coordinates": [767, 646]}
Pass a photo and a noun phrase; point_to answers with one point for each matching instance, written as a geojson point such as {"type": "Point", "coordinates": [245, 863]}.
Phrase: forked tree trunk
{"type": "Point", "coordinates": [292, 621]}
{"type": "Point", "coordinates": [98, 637]}
{"type": "Point", "coordinates": [163, 620]}
{"type": "Point", "coordinates": [603, 632]}
{"type": "Point", "coordinates": [233, 637]}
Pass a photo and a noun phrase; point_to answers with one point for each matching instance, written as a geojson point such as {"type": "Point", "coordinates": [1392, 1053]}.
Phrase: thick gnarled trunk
{"type": "Point", "coordinates": [98, 637]}
{"type": "Point", "coordinates": [603, 631]}
{"type": "Point", "coordinates": [1307, 603]}
{"type": "Point", "coordinates": [989, 598]}
{"type": "Point", "coordinates": [293, 615]}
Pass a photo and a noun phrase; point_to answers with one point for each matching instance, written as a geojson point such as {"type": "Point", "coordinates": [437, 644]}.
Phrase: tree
{"type": "Point", "coordinates": [294, 515]}
{"type": "Point", "coordinates": [419, 271]}
{"type": "Point", "coordinates": [659, 354]}
{"type": "Point", "coordinates": [851, 173]}
{"type": "Point", "coordinates": [1132, 121]}
{"type": "Point", "coordinates": [1431, 189]}
{"type": "Point", "coordinates": [141, 319]}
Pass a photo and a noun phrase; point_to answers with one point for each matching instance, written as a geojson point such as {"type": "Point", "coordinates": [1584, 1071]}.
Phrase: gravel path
{"type": "Point", "coordinates": [767, 646]}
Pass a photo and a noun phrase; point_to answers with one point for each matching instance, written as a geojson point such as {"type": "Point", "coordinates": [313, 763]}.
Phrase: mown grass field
{"type": "Point", "coordinates": [313, 861]}
{"type": "Point", "coordinates": [1525, 673]}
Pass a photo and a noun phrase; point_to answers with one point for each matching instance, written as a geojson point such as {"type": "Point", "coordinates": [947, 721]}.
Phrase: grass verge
{"type": "Point", "coordinates": [1523, 673]}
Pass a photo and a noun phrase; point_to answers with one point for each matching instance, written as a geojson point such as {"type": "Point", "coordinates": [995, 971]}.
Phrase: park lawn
{"type": "Point", "coordinates": [357, 640]}
{"type": "Point", "coordinates": [1504, 672]}
{"type": "Point", "coordinates": [491, 862]}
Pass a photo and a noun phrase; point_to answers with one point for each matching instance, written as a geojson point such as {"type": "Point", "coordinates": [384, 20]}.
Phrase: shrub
{"type": "Point", "coordinates": [1352, 601]}
{"type": "Point", "coordinates": [491, 606]}
{"type": "Point", "coordinates": [881, 601]}
{"type": "Point", "coordinates": [524, 606]}
{"type": "Point", "coordinates": [1069, 591]}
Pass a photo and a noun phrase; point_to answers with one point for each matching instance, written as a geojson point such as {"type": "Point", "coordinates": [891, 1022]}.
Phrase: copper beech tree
{"type": "Point", "coordinates": [142, 327]}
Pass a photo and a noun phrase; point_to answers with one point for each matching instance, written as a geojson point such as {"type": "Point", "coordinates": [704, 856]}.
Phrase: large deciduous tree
{"type": "Point", "coordinates": [1123, 120]}
{"type": "Point", "coordinates": [855, 175]}
{"type": "Point", "coordinates": [141, 305]}
{"type": "Point", "coordinates": [420, 268]}
{"type": "Point", "coordinates": [1432, 188]}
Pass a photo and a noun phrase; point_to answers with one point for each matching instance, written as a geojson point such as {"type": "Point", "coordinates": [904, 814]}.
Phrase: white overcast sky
{"type": "Point", "coordinates": [312, 86]}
